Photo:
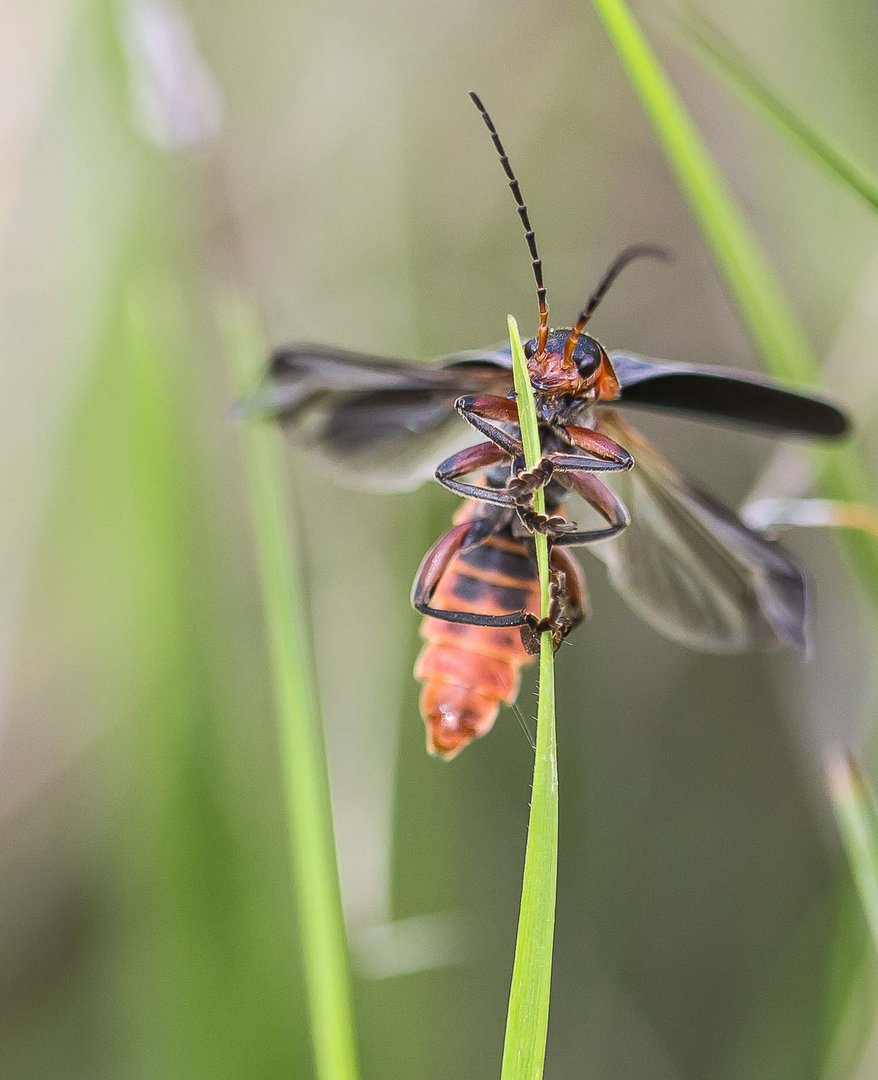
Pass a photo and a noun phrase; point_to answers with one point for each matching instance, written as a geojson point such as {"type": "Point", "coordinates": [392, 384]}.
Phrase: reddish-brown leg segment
{"type": "Point", "coordinates": [489, 407]}
{"type": "Point", "coordinates": [434, 565]}
{"type": "Point", "coordinates": [608, 505]}
{"type": "Point", "coordinates": [574, 584]}
{"type": "Point", "coordinates": [480, 410]}
{"type": "Point", "coordinates": [604, 456]}
{"type": "Point", "coordinates": [470, 460]}
{"type": "Point", "coordinates": [601, 454]}
{"type": "Point", "coordinates": [566, 603]}
{"type": "Point", "coordinates": [600, 446]}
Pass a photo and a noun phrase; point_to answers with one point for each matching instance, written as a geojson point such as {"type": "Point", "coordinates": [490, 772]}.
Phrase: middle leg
{"type": "Point", "coordinates": [472, 459]}
{"type": "Point", "coordinates": [611, 508]}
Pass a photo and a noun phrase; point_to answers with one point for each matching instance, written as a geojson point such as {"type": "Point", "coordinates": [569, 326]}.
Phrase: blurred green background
{"type": "Point", "coordinates": [325, 158]}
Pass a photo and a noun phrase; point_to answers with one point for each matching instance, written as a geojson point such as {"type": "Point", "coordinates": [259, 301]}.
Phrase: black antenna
{"type": "Point", "coordinates": [525, 221]}
{"type": "Point", "coordinates": [636, 251]}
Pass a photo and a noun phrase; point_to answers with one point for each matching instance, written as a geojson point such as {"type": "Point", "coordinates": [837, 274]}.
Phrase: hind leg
{"type": "Point", "coordinates": [567, 603]}
{"type": "Point", "coordinates": [433, 567]}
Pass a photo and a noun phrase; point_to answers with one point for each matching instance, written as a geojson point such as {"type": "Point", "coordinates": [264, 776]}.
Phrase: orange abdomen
{"type": "Point", "coordinates": [468, 670]}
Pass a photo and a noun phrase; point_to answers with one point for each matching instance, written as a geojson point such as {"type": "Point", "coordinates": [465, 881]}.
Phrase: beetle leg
{"type": "Point", "coordinates": [596, 494]}
{"type": "Point", "coordinates": [608, 505]}
{"type": "Point", "coordinates": [575, 602]}
{"type": "Point", "coordinates": [467, 461]}
{"type": "Point", "coordinates": [552, 526]}
{"type": "Point", "coordinates": [566, 604]}
{"type": "Point", "coordinates": [602, 458]}
{"type": "Point", "coordinates": [526, 481]}
{"type": "Point", "coordinates": [599, 446]}
{"type": "Point", "coordinates": [480, 409]}
{"type": "Point", "coordinates": [604, 455]}
{"type": "Point", "coordinates": [431, 570]}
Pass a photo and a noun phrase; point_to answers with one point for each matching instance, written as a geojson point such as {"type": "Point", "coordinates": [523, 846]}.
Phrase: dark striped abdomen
{"type": "Point", "coordinates": [468, 670]}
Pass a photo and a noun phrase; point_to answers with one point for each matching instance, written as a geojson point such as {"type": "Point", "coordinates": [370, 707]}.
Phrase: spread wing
{"type": "Point", "coordinates": [384, 424]}
{"type": "Point", "coordinates": [723, 394]}
{"type": "Point", "coordinates": [377, 424]}
{"type": "Point", "coordinates": [691, 568]}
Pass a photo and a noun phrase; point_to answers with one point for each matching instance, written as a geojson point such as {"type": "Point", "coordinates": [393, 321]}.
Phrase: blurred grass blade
{"type": "Point", "coordinates": [769, 515]}
{"type": "Point", "coordinates": [773, 327]}
{"type": "Point", "coordinates": [855, 808]}
{"type": "Point", "coordinates": [527, 1019]}
{"type": "Point", "coordinates": [741, 75]}
{"type": "Point", "coordinates": [309, 810]}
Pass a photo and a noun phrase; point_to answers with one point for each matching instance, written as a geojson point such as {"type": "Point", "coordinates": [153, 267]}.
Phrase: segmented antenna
{"type": "Point", "coordinates": [536, 261]}
{"type": "Point", "coordinates": [636, 251]}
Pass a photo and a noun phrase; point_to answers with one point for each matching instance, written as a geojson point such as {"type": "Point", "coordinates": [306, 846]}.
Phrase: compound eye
{"type": "Point", "coordinates": [587, 356]}
{"type": "Point", "coordinates": [530, 348]}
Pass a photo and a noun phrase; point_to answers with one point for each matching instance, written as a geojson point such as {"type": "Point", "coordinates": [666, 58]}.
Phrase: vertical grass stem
{"type": "Point", "coordinates": [306, 784]}
{"type": "Point", "coordinates": [527, 1018]}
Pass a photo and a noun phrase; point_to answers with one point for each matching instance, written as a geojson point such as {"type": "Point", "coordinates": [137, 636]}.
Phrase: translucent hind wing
{"type": "Point", "coordinates": [691, 568]}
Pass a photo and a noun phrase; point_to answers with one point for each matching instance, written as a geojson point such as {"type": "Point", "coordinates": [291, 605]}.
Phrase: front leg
{"type": "Point", "coordinates": [599, 446]}
{"type": "Point", "coordinates": [480, 409]}
{"type": "Point", "coordinates": [481, 456]}
{"type": "Point", "coordinates": [604, 455]}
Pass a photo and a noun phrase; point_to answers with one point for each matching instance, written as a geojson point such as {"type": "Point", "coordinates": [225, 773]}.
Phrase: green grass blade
{"type": "Point", "coordinates": [527, 1019]}
{"type": "Point", "coordinates": [743, 78]}
{"type": "Point", "coordinates": [780, 340]}
{"type": "Point", "coordinates": [312, 844]}
{"type": "Point", "coordinates": [855, 809]}
{"type": "Point", "coordinates": [530, 438]}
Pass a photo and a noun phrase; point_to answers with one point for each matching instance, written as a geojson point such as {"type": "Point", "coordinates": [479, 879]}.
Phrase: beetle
{"type": "Point", "coordinates": [685, 562]}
